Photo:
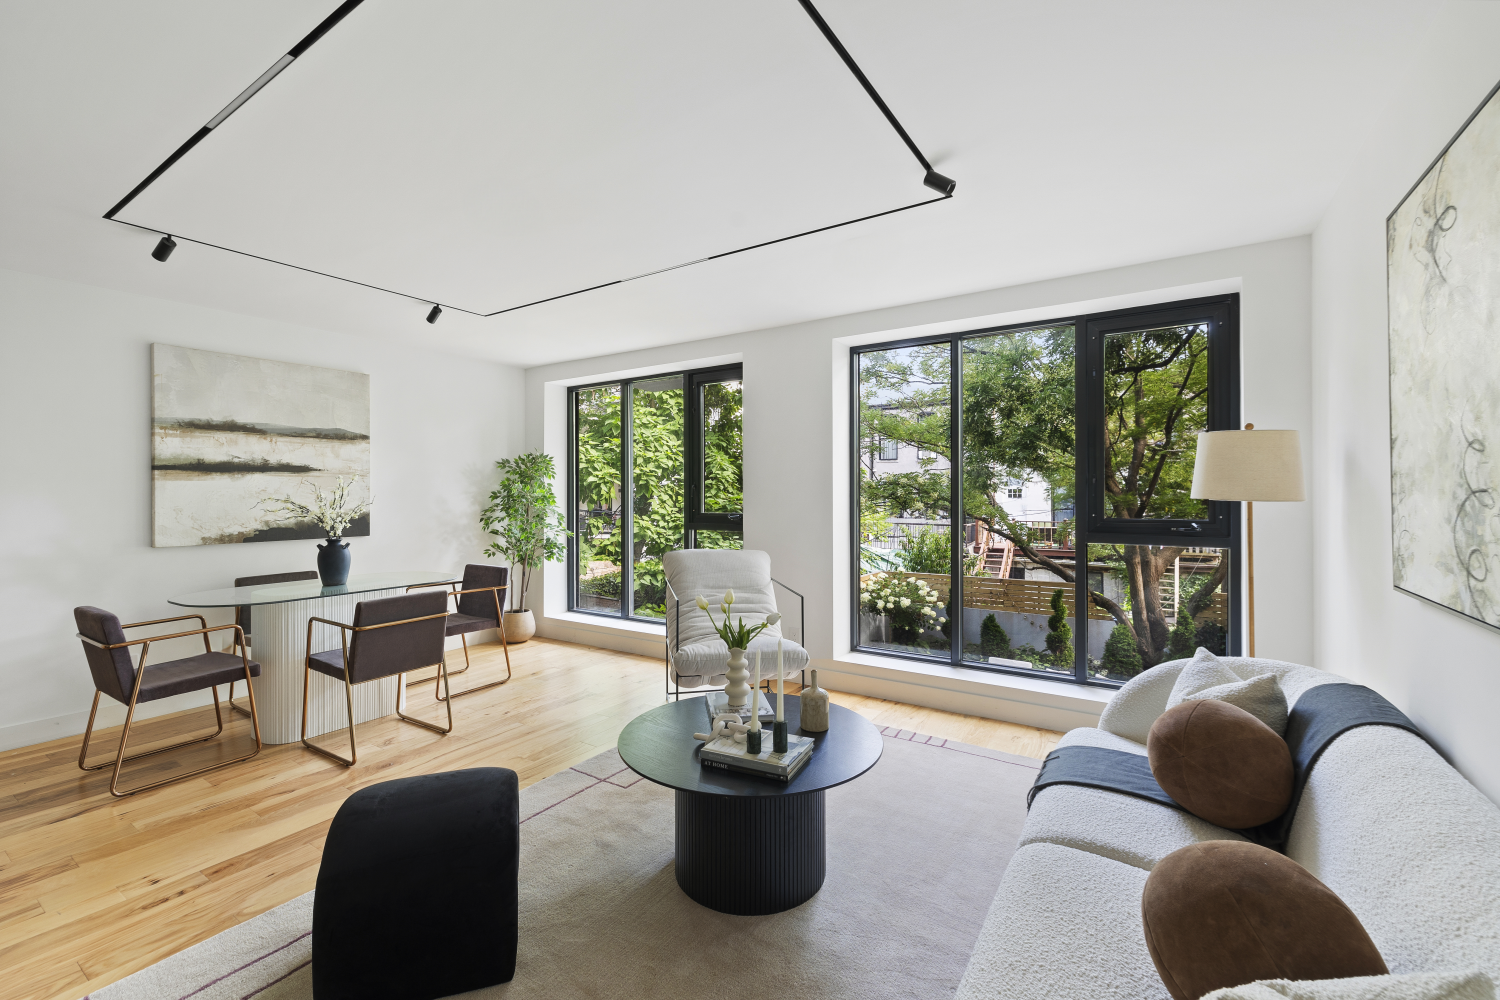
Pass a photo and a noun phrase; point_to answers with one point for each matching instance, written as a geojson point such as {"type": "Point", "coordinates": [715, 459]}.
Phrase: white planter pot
{"type": "Point", "coordinates": [738, 676]}
{"type": "Point", "coordinates": [519, 626]}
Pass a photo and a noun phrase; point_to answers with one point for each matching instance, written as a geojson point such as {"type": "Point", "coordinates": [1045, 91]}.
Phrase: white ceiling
{"type": "Point", "coordinates": [484, 151]}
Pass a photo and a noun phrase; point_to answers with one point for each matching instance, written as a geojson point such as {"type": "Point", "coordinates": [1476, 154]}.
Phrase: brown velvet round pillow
{"type": "Point", "coordinates": [1225, 913]}
{"type": "Point", "coordinates": [1221, 763]}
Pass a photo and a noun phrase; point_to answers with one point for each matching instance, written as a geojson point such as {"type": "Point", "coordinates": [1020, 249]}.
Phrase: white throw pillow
{"type": "Point", "coordinates": [1206, 679]}
{"type": "Point", "coordinates": [1416, 986]}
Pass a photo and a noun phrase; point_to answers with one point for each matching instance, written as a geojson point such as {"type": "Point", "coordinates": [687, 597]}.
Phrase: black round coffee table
{"type": "Point", "coordinates": [748, 845]}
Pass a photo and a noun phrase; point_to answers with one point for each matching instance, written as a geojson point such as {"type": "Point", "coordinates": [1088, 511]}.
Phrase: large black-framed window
{"type": "Point", "coordinates": [1007, 477]}
{"type": "Point", "coordinates": [655, 464]}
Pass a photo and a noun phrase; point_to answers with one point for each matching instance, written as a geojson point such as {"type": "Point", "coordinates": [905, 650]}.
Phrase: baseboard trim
{"type": "Point", "coordinates": [111, 713]}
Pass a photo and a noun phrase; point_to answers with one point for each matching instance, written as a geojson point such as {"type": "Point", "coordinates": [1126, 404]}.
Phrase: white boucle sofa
{"type": "Point", "coordinates": [1385, 822]}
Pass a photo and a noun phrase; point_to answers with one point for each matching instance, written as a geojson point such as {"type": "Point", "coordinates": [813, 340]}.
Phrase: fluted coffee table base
{"type": "Point", "coordinates": [748, 844]}
{"type": "Point", "coordinates": [750, 855]}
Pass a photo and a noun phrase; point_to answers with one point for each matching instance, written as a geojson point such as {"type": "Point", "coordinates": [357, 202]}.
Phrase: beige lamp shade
{"type": "Point", "coordinates": [1248, 465]}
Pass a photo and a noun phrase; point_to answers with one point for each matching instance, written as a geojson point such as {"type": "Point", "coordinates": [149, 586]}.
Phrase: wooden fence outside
{"type": "Point", "coordinates": [1034, 597]}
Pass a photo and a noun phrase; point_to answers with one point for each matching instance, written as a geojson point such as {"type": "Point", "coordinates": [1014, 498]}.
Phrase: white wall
{"type": "Point", "coordinates": [797, 452]}
{"type": "Point", "coordinates": [75, 495]}
{"type": "Point", "coordinates": [1441, 670]}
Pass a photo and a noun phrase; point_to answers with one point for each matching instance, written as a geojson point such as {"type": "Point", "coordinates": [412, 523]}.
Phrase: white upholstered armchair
{"type": "Point", "coordinates": [696, 656]}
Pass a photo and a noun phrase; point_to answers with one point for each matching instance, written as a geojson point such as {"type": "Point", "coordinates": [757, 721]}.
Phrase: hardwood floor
{"type": "Point", "coordinates": [93, 888]}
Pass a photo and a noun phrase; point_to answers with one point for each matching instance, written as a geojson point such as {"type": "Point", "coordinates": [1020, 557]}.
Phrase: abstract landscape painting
{"type": "Point", "coordinates": [227, 431]}
{"type": "Point", "coordinates": [1443, 269]}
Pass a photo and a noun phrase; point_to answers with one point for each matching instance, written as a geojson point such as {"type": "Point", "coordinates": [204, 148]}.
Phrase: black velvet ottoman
{"type": "Point", "coordinates": [418, 890]}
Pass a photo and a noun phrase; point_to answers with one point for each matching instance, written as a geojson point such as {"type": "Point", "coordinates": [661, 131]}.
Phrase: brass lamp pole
{"type": "Point", "coordinates": [1248, 465]}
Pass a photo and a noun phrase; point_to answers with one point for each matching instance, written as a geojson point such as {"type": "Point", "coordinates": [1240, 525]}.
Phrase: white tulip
{"type": "Point", "coordinates": [702, 604]}
{"type": "Point", "coordinates": [772, 618]}
{"type": "Point", "coordinates": [728, 597]}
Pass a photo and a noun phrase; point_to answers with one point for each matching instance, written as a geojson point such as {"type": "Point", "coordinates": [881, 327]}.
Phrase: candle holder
{"type": "Point", "coordinates": [752, 742]}
{"type": "Point", "coordinates": [778, 737]}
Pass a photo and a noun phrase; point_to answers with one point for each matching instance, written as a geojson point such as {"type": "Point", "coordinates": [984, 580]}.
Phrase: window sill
{"type": "Point", "coordinates": [1043, 702]}
{"type": "Point", "coordinates": [610, 633]}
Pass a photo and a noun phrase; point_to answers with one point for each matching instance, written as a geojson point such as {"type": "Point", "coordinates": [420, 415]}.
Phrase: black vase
{"type": "Point", "coordinates": [333, 562]}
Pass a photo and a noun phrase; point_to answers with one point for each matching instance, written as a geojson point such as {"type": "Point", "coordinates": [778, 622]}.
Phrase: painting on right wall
{"type": "Point", "coordinates": [1443, 274]}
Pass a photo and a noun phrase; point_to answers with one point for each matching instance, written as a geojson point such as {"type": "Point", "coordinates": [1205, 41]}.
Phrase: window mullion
{"type": "Point", "coordinates": [955, 504]}
{"type": "Point", "coordinates": [627, 500]}
{"type": "Point", "coordinates": [1083, 444]}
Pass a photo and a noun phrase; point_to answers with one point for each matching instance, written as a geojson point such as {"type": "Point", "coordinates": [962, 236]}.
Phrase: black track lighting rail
{"type": "Point", "coordinates": [296, 50]}
{"type": "Point", "coordinates": [944, 186]}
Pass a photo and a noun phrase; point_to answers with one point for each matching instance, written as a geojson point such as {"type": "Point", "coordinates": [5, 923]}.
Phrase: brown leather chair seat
{"type": "Point", "coordinates": [193, 673]}
{"type": "Point", "coordinates": [459, 624]}
{"type": "Point", "coordinates": [330, 662]}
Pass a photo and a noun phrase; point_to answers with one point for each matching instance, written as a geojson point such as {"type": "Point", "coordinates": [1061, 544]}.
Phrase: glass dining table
{"type": "Point", "coordinates": [279, 644]}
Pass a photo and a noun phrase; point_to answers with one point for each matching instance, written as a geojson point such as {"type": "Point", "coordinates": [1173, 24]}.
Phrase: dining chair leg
{"type": "Point", "coordinates": [88, 738]}
{"type": "Point", "coordinates": [505, 646]}
{"type": "Point", "coordinates": [255, 721]}
{"type": "Point", "coordinates": [353, 757]}
{"type": "Point", "coordinates": [447, 700]}
{"type": "Point", "coordinates": [244, 652]}
{"type": "Point", "coordinates": [235, 706]}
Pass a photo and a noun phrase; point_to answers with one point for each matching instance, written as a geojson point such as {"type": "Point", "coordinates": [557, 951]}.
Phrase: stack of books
{"type": "Point", "coordinates": [724, 752]}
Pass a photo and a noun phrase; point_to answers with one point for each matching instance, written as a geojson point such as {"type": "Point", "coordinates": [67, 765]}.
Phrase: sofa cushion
{"type": "Point", "coordinates": [1221, 763]}
{"type": "Point", "coordinates": [1224, 914]}
{"type": "Point", "coordinates": [1085, 736]}
{"type": "Point", "coordinates": [1065, 924]}
{"type": "Point", "coordinates": [1412, 847]}
{"type": "Point", "coordinates": [1205, 678]}
{"type": "Point", "coordinates": [1120, 827]}
{"type": "Point", "coordinates": [1136, 706]}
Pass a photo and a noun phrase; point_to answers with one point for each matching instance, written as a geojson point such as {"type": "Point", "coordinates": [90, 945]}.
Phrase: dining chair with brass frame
{"type": "Point", "coordinates": [390, 636]}
{"type": "Point", "coordinates": [482, 585]}
{"type": "Point", "coordinates": [244, 613]}
{"type": "Point", "coordinates": [108, 653]}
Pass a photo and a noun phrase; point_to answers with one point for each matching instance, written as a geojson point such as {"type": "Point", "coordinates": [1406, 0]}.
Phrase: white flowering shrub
{"type": "Point", "coordinates": [909, 603]}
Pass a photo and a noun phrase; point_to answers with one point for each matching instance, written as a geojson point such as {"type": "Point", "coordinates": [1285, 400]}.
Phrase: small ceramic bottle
{"type": "Point", "coordinates": [814, 708]}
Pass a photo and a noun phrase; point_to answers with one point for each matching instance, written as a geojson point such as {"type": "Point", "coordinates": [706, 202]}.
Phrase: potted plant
{"type": "Point", "coordinates": [737, 638]}
{"type": "Point", "coordinates": [908, 603]}
{"type": "Point", "coordinates": [333, 513]}
{"type": "Point", "coordinates": [529, 530]}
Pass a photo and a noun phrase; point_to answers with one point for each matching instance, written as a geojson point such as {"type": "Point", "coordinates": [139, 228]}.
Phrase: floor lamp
{"type": "Point", "coordinates": [1248, 465]}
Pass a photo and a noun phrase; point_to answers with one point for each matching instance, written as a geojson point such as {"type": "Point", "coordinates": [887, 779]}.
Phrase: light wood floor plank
{"type": "Point", "coordinates": [94, 888]}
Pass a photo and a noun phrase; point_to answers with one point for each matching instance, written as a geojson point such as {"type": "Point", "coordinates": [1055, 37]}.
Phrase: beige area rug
{"type": "Point", "coordinates": [916, 848]}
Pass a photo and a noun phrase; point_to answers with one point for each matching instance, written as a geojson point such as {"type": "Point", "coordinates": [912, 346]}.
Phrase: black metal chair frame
{"type": "Point", "coordinates": [140, 676]}
{"type": "Point", "coordinates": [675, 691]}
{"type": "Point", "coordinates": [344, 631]}
{"type": "Point", "coordinates": [463, 637]}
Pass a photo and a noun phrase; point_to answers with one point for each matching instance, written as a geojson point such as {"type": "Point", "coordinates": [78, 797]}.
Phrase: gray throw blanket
{"type": "Point", "coordinates": [1320, 716]}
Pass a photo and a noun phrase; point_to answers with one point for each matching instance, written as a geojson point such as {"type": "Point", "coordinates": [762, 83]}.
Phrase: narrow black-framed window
{"type": "Point", "coordinates": [1065, 449]}
{"type": "Point", "coordinates": [655, 464]}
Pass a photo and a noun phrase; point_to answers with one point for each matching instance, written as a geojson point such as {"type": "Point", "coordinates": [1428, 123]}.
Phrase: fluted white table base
{"type": "Point", "coordinates": [280, 645]}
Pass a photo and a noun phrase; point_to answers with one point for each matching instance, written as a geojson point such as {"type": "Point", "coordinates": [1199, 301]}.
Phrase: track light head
{"type": "Point", "coordinates": [164, 248]}
{"type": "Point", "coordinates": [436, 311]}
{"type": "Point", "coordinates": [942, 185]}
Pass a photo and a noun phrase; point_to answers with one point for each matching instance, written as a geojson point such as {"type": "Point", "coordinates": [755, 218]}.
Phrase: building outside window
{"type": "Point", "coordinates": [656, 464]}
{"type": "Point", "coordinates": [1057, 477]}
{"type": "Point", "coordinates": [890, 451]}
